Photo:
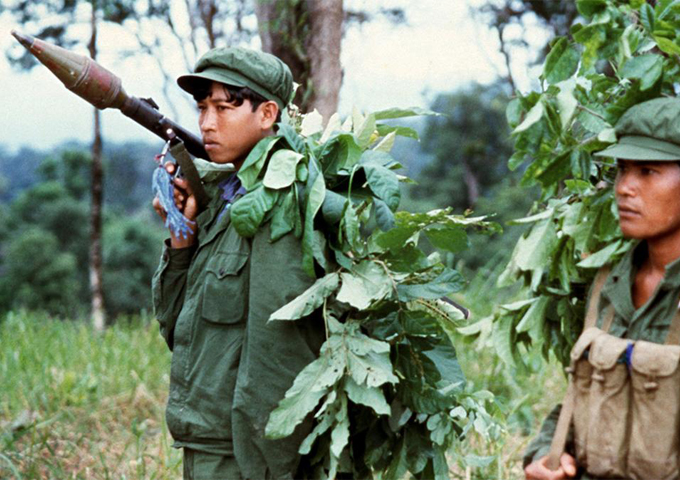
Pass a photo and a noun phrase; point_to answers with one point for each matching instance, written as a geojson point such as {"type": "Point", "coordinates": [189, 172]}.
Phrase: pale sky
{"type": "Point", "coordinates": [440, 49]}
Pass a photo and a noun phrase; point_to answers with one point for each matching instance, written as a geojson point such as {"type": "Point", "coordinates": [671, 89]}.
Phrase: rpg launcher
{"type": "Point", "coordinates": [101, 88]}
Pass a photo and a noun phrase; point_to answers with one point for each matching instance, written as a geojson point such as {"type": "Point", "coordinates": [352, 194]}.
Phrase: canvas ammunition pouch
{"type": "Point", "coordinates": [623, 401]}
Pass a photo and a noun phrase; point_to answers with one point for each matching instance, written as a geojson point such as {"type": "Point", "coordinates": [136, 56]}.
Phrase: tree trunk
{"type": "Point", "coordinates": [311, 48]}
{"type": "Point", "coordinates": [323, 47]}
{"type": "Point", "coordinates": [97, 314]}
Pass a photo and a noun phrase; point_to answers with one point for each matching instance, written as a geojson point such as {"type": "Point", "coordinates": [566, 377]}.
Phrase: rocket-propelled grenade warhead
{"type": "Point", "coordinates": [80, 74]}
{"type": "Point", "coordinates": [98, 86]}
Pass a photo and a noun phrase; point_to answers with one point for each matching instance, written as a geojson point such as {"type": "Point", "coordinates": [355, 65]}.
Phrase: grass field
{"type": "Point", "coordinates": [78, 405]}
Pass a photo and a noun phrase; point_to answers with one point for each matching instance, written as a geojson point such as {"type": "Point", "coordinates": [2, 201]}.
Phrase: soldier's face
{"type": "Point", "coordinates": [648, 199]}
{"type": "Point", "coordinates": [229, 132]}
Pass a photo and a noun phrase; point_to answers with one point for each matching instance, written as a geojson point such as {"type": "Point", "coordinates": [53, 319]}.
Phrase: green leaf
{"type": "Point", "coordinates": [588, 8]}
{"type": "Point", "coordinates": [383, 182]}
{"type": "Point", "coordinates": [402, 112]}
{"type": "Point", "coordinates": [365, 284]}
{"type": "Point", "coordinates": [248, 212]}
{"type": "Point", "coordinates": [449, 281]}
{"type": "Point", "coordinates": [386, 143]}
{"type": "Point", "coordinates": [365, 131]}
{"type": "Point", "coordinates": [285, 215]}
{"type": "Point", "coordinates": [534, 250]}
{"type": "Point", "coordinates": [533, 116]}
{"type": "Point", "coordinates": [311, 384]}
{"type": "Point", "coordinates": [601, 257]}
{"type": "Point", "coordinates": [562, 61]}
{"type": "Point", "coordinates": [647, 68]}
{"type": "Point", "coordinates": [501, 336]}
{"type": "Point", "coordinates": [309, 300]}
{"type": "Point", "coordinates": [647, 17]}
{"type": "Point", "coordinates": [254, 162]}
{"type": "Point", "coordinates": [398, 466]}
{"type": "Point", "coordinates": [444, 358]}
{"type": "Point", "coordinates": [477, 461]}
{"type": "Point", "coordinates": [383, 215]}
{"type": "Point", "coordinates": [333, 207]}
{"type": "Point", "coordinates": [281, 170]}
{"type": "Point", "coordinates": [295, 141]}
{"type": "Point", "coordinates": [401, 131]}
{"type": "Point", "coordinates": [316, 193]}
{"type": "Point", "coordinates": [666, 7]}
{"type": "Point", "coordinates": [301, 172]}
{"type": "Point", "coordinates": [516, 160]}
{"type": "Point", "coordinates": [591, 122]}
{"type": "Point", "coordinates": [667, 45]}
{"type": "Point", "coordinates": [513, 112]}
{"type": "Point", "coordinates": [320, 428]}
{"type": "Point", "coordinates": [368, 360]}
{"type": "Point", "coordinates": [372, 397]}
{"type": "Point", "coordinates": [534, 318]}
{"type": "Point", "coordinates": [340, 434]}
{"type": "Point", "coordinates": [441, 467]}
{"type": "Point", "coordinates": [349, 225]}
{"type": "Point", "coordinates": [340, 153]}
{"type": "Point", "coordinates": [591, 37]}
{"type": "Point", "coordinates": [566, 102]}
{"type": "Point", "coordinates": [312, 123]}
{"type": "Point", "coordinates": [452, 239]}
{"type": "Point", "coordinates": [397, 237]}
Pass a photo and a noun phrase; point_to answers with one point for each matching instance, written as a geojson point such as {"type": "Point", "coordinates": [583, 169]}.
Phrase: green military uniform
{"type": "Point", "coordinates": [230, 367]}
{"type": "Point", "coordinates": [649, 322]}
{"type": "Point", "coordinates": [649, 131]}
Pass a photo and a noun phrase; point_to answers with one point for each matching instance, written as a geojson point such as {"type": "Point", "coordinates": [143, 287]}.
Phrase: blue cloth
{"type": "Point", "coordinates": [232, 187]}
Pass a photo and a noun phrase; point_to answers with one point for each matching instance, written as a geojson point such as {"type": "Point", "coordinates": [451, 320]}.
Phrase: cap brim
{"type": "Point", "coordinates": [197, 81]}
{"type": "Point", "coordinates": [643, 149]}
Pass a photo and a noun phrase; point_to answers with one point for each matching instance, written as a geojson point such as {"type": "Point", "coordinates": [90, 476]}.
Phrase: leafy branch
{"type": "Point", "coordinates": [388, 367]}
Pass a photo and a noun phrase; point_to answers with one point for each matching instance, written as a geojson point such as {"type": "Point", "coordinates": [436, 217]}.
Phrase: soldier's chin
{"type": "Point", "coordinates": [633, 232]}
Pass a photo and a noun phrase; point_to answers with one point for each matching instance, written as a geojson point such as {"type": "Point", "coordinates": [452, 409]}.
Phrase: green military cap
{"type": "Point", "coordinates": [648, 131]}
{"type": "Point", "coordinates": [241, 67]}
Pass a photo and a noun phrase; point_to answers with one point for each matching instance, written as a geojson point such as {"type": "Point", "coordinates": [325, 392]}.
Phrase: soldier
{"type": "Point", "coordinates": [636, 302]}
{"type": "Point", "coordinates": [214, 290]}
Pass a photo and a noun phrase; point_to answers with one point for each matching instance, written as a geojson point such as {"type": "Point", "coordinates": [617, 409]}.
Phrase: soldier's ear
{"type": "Point", "coordinates": [269, 111]}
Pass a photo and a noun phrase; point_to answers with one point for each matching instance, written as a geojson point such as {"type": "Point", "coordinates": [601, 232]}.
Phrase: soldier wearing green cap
{"type": "Point", "coordinates": [636, 300]}
{"type": "Point", "coordinates": [214, 290]}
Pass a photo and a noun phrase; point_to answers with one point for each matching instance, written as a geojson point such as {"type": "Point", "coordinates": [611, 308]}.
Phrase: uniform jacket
{"type": "Point", "coordinates": [650, 322]}
{"type": "Point", "coordinates": [230, 367]}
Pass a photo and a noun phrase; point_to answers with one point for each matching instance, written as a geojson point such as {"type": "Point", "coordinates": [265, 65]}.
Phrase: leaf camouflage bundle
{"type": "Point", "coordinates": [386, 391]}
{"type": "Point", "coordinates": [625, 53]}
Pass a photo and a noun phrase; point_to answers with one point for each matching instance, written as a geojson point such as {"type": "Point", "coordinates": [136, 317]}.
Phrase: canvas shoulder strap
{"type": "Point", "coordinates": [180, 153]}
{"type": "Point", "coordinates": [673, 335]}
{"type": "Point", "coordinates": [564, 421]}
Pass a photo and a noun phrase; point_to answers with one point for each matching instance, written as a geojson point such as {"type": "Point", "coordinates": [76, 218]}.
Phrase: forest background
{"type": "Point", "coordinates": [81, 404]}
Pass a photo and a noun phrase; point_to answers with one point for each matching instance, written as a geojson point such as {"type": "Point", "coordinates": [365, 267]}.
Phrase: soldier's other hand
{"type": "Point", "coordinates": [539, 471]}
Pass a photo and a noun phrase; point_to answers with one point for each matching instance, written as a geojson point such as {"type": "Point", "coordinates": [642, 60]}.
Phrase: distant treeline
{"type": "Point", "coordinates": [461, 162]}
{"type": "Point", "coordinates": [44, 208]}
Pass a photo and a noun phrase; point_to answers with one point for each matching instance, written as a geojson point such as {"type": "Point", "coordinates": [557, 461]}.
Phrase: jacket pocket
{"type": "Point", "coordinates": [608, 408]}
{"type": "Point", "coordinates": [656, 399]}
{"type": "Point", "coordinates": [225, 291]}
